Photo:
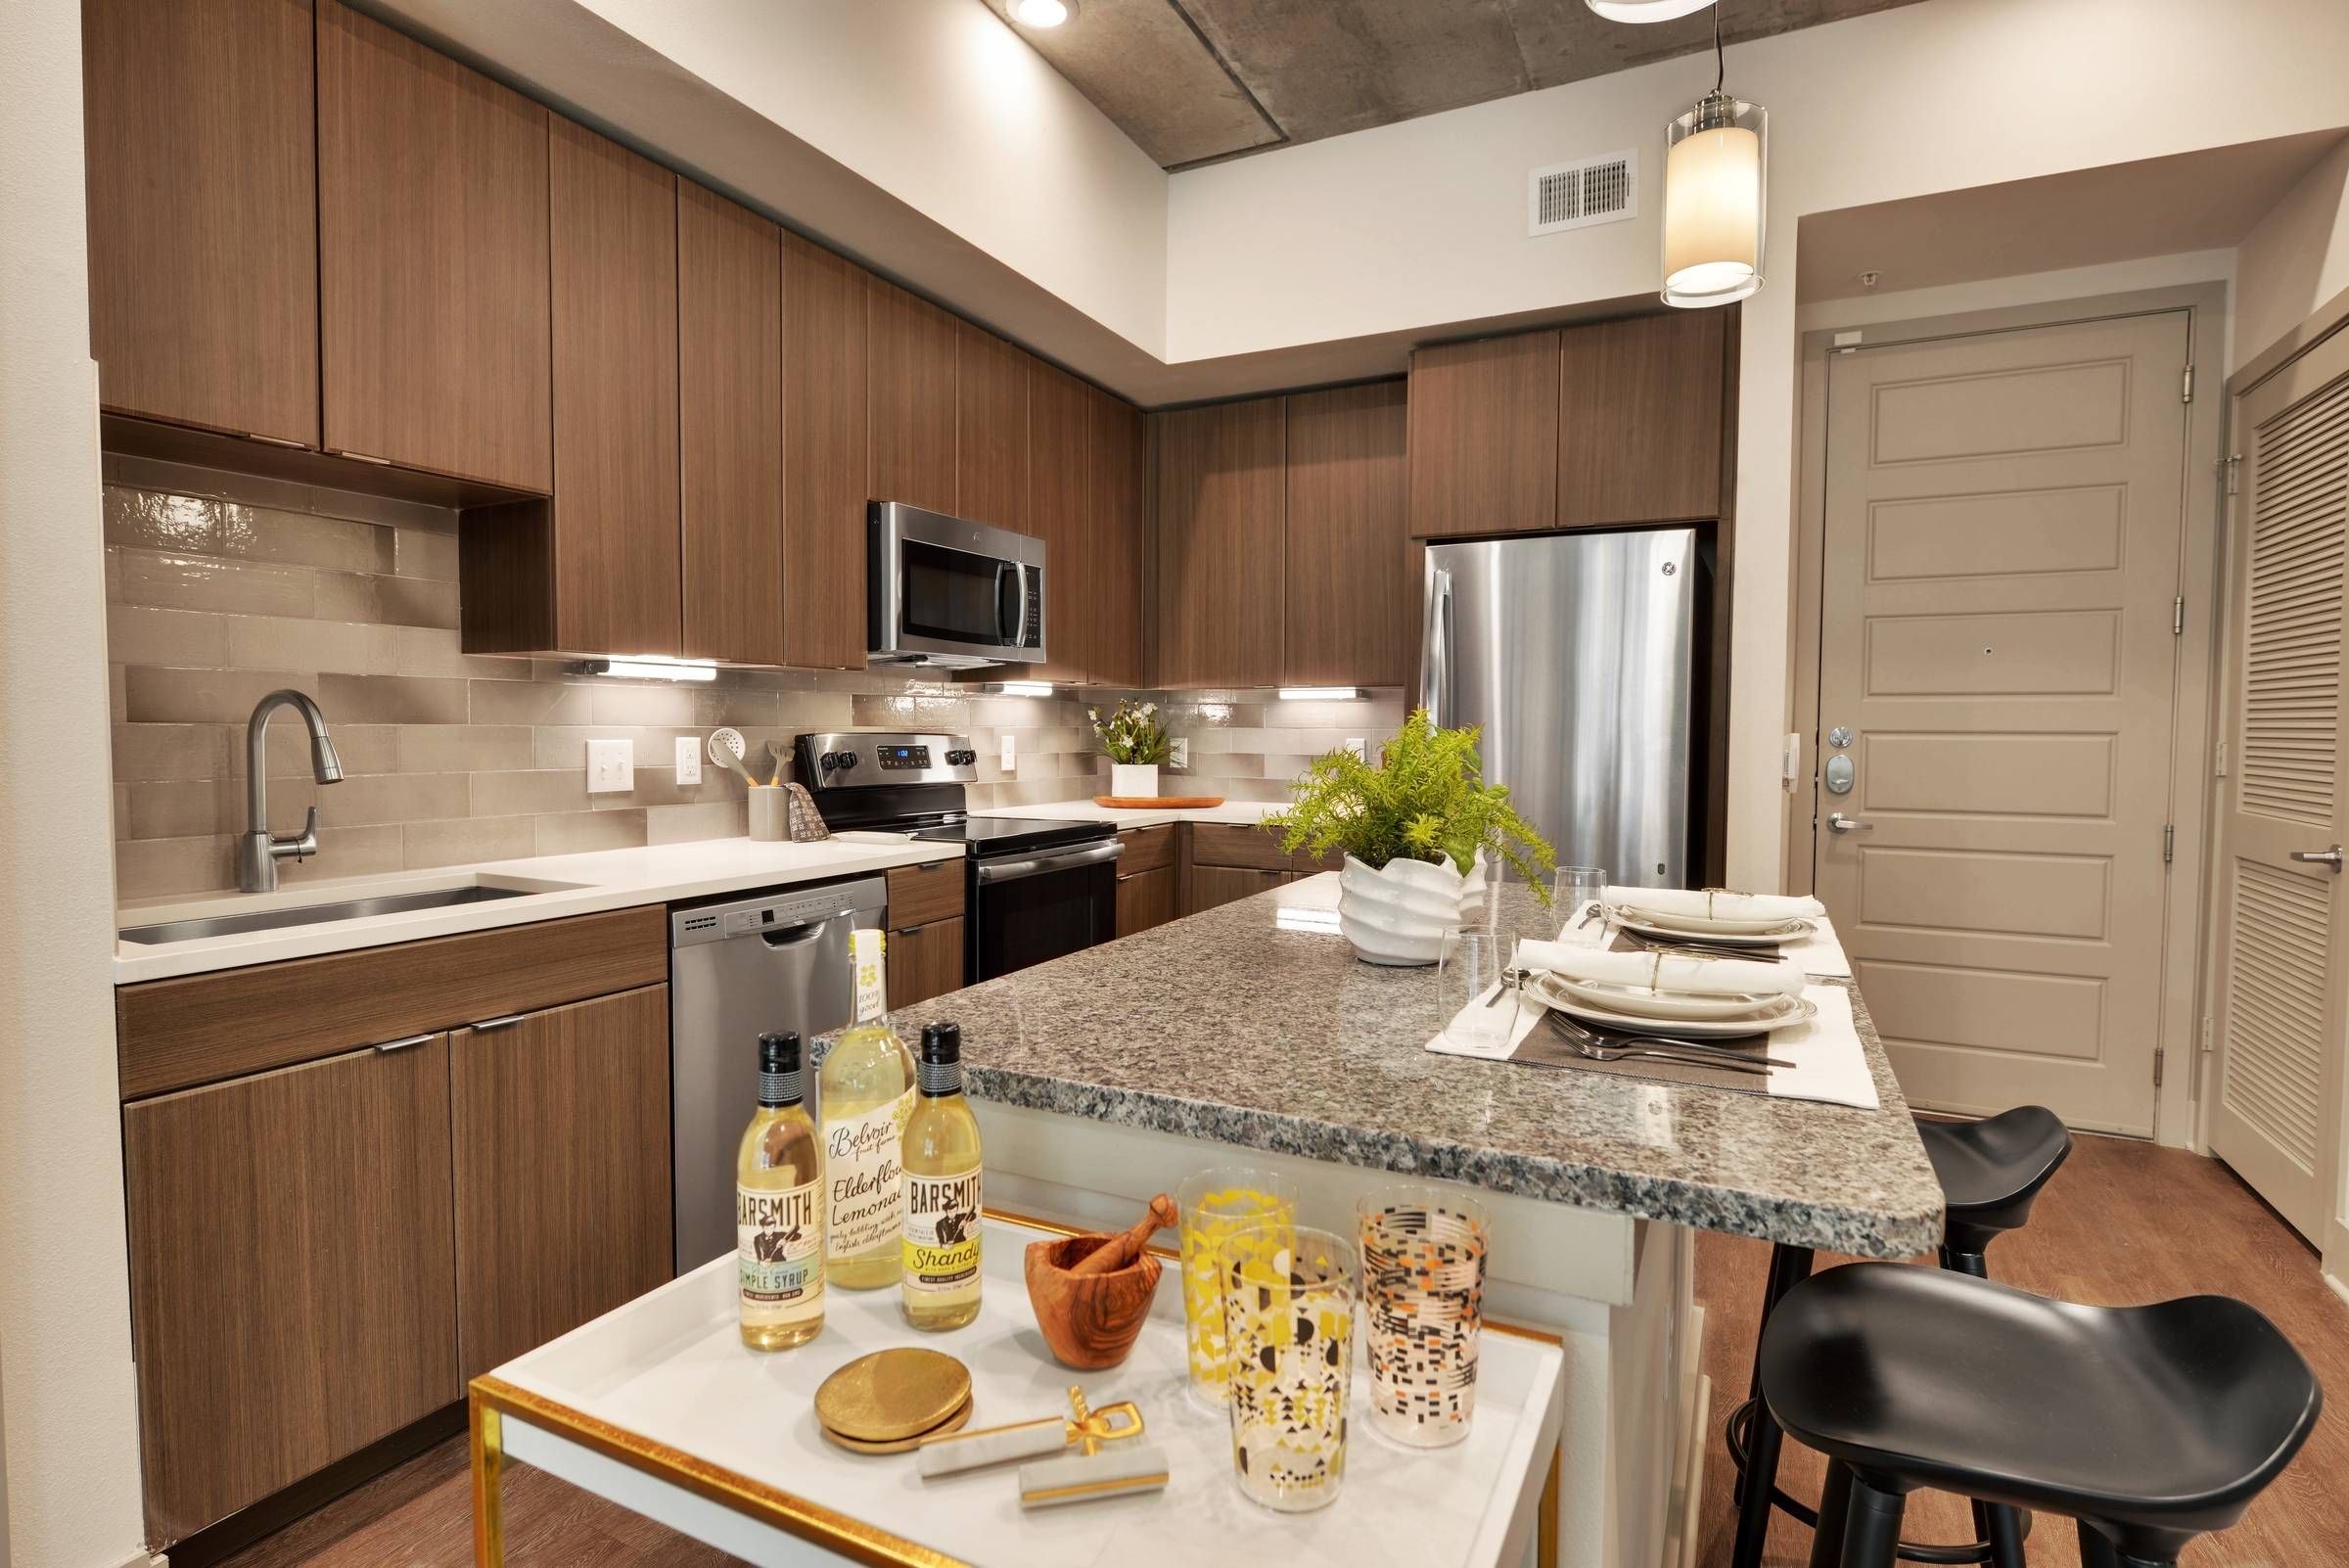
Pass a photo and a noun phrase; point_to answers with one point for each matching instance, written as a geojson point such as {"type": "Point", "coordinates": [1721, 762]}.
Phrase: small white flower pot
{"type": "Point", "coordinates": [1402, 914]}
{"type": "Point", "coordinates": [1133, 781]}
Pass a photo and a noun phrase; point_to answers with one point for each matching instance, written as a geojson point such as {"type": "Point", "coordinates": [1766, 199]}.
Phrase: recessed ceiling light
{"type": "Point", "coordinates": [1042, 13]}
{"type": "Point", "coordinates": [1646, 10]}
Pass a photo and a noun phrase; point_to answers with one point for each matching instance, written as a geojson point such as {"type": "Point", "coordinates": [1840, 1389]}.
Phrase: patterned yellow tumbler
{"type": "Point", "coordinates": [1216, 1206]}
{"type": "Point", "coordinates": [1288, 1311]}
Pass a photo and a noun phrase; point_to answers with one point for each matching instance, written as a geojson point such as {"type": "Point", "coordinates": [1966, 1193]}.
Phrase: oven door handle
{"type": "Point", "coordinates": [990, 873]}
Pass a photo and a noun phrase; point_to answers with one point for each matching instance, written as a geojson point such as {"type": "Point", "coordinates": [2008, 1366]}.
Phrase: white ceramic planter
{"type": "Point", "coordinates": [1402, 914]}
{"type": "Point", "coordinates": [1133, 781]}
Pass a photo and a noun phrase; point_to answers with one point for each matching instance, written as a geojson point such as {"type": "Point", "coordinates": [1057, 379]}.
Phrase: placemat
{"type": "Point", "coordinates": [1546, 1047]}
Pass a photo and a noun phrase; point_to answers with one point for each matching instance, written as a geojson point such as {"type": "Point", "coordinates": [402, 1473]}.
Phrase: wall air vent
{"type": "Point", "coordinates": [1573, 196]}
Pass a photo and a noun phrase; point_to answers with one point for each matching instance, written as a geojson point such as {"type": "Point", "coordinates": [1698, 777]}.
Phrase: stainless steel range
{"type": "Point", "coordinates": [1036, 889]}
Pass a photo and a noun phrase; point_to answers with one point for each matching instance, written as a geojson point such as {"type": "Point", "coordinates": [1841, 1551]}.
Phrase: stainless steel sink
{"type": "Point", "coordinates": [312, 914]}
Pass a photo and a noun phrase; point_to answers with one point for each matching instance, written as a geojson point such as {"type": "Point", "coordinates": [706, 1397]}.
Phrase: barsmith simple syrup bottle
{"type": "Point", "coordinates": [939, 1287]}
{"type": "Point", "coordinates": [779, 1208]}
{"type": "Point", "coordinates": [867, 1095]}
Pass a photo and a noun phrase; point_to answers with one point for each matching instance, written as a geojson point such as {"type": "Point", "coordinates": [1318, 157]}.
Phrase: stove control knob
{"type": "Point", "coordinates": [832, 759]}
{"type": "Point", "coordinates": [844, 760]}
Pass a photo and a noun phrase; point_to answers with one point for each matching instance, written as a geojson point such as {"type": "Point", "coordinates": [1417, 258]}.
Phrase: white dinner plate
{"type": "Point", "coordinates": [1780, 1013]}
{"type": "Point", "coordinates": [1672, 1004]}
{"type": "Point", "coordinates": [1724, 934]}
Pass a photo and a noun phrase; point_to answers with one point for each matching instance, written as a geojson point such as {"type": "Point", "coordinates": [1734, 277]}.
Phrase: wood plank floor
{"type": "Point", "coordinates": [2122, 1223]}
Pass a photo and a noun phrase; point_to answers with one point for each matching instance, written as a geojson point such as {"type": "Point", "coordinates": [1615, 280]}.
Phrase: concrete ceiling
{"type": "Point", "coordinates": [1195, 82]}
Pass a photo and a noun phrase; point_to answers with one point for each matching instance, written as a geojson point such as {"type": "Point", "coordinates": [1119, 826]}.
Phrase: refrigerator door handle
{"type": "Point", "coordinates": [1436, 636]}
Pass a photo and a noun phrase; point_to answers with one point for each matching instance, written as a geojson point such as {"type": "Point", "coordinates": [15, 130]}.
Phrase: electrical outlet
{"type": "Point", "coordinates": [611, 766]}
{"type": "Point", "coordinates": [1360, 747]}
{"type": "Point", "coordinates": [1012, 753]}
{"type": "Point", "coordinates": [689, 759]}
{"type": "Point", "coordinates": [1179, 752]}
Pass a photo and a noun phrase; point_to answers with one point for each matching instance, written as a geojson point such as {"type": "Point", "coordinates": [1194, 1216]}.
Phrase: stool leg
{"type": "Point", "coordinates": [1871, 1527]}
{"type": "Point", "coordinates": [1834, 1502]}
{"type": "Point", "coordinates": [2096, 1551]}
{"type": "Point", "coordinates": [1789, 1267]}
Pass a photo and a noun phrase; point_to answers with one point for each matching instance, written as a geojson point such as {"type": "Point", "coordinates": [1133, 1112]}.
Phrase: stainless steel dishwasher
{"type": "Point", "coordinates": [738, 969]}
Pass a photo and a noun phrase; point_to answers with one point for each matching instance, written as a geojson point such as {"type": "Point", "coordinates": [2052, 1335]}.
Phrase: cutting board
{"type": "Point", "coordinates": [1161, 802]}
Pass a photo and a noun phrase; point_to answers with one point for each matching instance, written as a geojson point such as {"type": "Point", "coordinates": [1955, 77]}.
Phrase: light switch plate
{"type": "Point", "coordinates": [1179, 752]}
{"type": "Point", "coordinates": [611, 766]}
{"type": "Point", "coordinates": [1357, 745]}
{"type": "Point", "coordinates": [689, 759]}
{"type": "Point", "coordinates": [1012, 753]}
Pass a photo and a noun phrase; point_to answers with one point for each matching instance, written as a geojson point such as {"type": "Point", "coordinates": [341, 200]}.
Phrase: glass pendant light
{"type": "Point", "coordinates": [1646, 10]}
{"type": "Point", "coordinates": [1716, 162]}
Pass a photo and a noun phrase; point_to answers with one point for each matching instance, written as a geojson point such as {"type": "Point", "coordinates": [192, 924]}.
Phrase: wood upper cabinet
{"type": "Point", "coordinates": [291, 1243]}
{"type": "Point", "coordinates": [1350, 617]}
{"type": "Point", "coordinates": [1060, 512]}
{"type": "Point", "coordinates": [1640, 411]}
{"type": "Point", "coordinates": [827, 464]}
{"type": "Point", "coordinates": [991, 430]}
{"type": "Point", "coordinates": [1116, 485]}
{"type": "Point", "coordinates": [201, 153]}
{"type": "Point", "coordinates": [432, 268]}
{"type": "Point", "coordinates": [562, 1158]}
{"type": "Point", "coordinates": [1484, 435]}
{"type": "Point", "coordinates": [1220, 497]}
{"type": "Point", "coordinates": [910, 390]}
{"type": "Point", "coordinates": [731, 427]}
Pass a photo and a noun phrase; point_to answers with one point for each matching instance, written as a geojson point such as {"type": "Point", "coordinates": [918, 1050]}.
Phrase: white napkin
{"type": "Point", "coordinates": [1829, 1064]}
{"type": "Point", "coordinates": [1718, 905]}
{"type": "Point", "coordinates": [1821, 955]}
{"type": "Point", "coordinates": [1662, 970]}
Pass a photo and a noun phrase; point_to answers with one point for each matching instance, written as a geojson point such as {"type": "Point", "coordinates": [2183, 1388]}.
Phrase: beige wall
{"type": "Point", "coordinates": [2295, 259]}
{"type": "Point", "coordinates": [70, 1424]}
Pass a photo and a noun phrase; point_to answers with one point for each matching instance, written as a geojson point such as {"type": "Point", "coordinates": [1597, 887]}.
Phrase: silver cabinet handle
{"type": "Point", "coordinates": [486, 1025]}
{"type": "Point", "coordinates": [1837, 822]}
{"type": "Point", "coordinates": [2330, 858]}
{"type": "Point", "coordinates": [391, 1045]}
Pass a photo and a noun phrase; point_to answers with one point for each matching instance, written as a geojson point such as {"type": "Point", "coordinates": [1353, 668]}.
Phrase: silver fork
{"type": "Point", "coordinates": [1584, 1039]}
{"type": "Point", "coordinates": [1692, 949]}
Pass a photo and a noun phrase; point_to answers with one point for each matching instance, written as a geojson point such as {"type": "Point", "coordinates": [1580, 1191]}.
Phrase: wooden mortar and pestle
{"type": "Point", "coordinates": [1092, 1293]}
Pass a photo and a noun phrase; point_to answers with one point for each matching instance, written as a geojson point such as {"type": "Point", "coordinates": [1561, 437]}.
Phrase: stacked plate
{"type": "Point", "coordinates": [1690, 1014]}
{"type": "Point", "coordinates": [1712, 931]}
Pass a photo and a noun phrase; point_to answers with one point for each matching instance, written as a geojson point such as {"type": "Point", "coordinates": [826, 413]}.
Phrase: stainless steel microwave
{"type": "Point", "coordinates": [947, 593]}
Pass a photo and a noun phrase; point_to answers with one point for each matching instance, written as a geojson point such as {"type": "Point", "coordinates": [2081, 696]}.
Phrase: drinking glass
{"type": "Point", "coordinates": [1423, 1294]}
{"type": "Point", "coordinates": [1572, 893]}
{"type": "Point", "coordinates": [1217, 1205]}
{"type": "Point", "coordinates": [1471, 964]}
{"type": "Point", "coordinates": [1288, 1302]}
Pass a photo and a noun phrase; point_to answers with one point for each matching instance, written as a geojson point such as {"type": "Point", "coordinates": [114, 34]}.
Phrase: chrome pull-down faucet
{"type": "Point", "coordinates": [259, 850]}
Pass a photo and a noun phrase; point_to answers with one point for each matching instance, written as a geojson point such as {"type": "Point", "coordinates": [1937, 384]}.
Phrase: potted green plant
{"type": "Point", "coordinates": [1136, 743]}
{"type": "Point", "coordinates": [1417, 829]}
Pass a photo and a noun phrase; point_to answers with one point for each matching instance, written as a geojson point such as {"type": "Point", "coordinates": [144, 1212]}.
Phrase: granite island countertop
{"type": "Point", "coordinates": [1253, 1025]}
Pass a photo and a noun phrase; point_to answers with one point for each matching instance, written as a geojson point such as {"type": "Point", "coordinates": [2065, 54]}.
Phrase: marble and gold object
{"type": "Point", "coordinates": [1051, 1435]}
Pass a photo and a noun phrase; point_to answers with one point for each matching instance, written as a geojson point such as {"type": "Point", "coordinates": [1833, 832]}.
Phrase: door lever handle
{"type": "Point", "coordinates": [1837, 822]}
{"type": "Point", "coordinates": [2330, 858]}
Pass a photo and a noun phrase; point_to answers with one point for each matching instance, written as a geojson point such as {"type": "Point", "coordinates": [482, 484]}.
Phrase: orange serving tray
{"type": "Point", "coordinates": [1158, 803]}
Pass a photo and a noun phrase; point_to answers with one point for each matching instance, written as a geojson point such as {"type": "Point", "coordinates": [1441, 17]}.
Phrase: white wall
{"type": "Point", "coordinates": [1422, 223]}
{"type": "Point", "coordinates": [940, 104]}
{"type": "Point", "coordinates": [2295, 259]}
{"type": "Point", "coordinates": [69, 1423]}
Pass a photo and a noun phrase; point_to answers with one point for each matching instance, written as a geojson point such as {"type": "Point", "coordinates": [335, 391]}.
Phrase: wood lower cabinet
{"type": "Point", "coordinates": [925, 962]}
{"type": "Point", "coordinates": [1118, 597]}
{"type": "Point", "coordinates": [1484, 435]}
{"type": "Point", "coordinates": [1220, 497]}
{"type": "Point", "coordinates": [1148, 899]}
{"type": "Point", "coordinates": [291, 1244]}
{"type": "Point", "coordinates": [1349, 612]}
{"type": "Point", "coordinates": [200, 145]}
{"type": "Point", "coordinates": [432, 266]}
{"type": "Point", "coordinates": [1213, 885]}
{"type": "Point", "coordinates": [730, 422]}
{"type": "Point", "coordinates": [909, 388]}
{"type": "Point", "coordinates": [826, 456]}
{"type": "Point", "coordinates": [562, 1158]}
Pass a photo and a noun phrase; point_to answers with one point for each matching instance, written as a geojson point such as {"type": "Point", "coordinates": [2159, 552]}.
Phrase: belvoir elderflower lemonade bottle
{"type": "Point", "coordinates": [866, 1093]}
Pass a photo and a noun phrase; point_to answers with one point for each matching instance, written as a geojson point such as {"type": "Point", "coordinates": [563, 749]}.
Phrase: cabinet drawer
{"type": "Point", "coordinates": [1213, 885]}
{"type": "Point", "coordinates": [1228, 843]}
{"type": "Point", "coordinates": [1305, 864]}
{"type": "Point", "coordinates": [1146, 849]}
{"type": "Point", "coordinates": [925, 962]}
{"type": "Point", "coordinates": [171, 1034]}
{"type": "Point", "coordinates": [921, 894]}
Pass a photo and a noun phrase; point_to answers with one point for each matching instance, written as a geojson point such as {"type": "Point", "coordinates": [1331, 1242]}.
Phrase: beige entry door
{"type": "Point", "coordinates": [2278, 927]}
{"type": "Point", "coordinates": [1999, 594]}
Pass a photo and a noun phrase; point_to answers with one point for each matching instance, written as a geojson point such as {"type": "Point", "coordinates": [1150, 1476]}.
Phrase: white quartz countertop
{"type": "Point", "coordinates": [561, 886]}
{"type": "Point", "coordinates": [1246, 813]}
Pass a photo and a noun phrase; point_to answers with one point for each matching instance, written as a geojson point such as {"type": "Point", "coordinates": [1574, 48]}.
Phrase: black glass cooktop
{"type": "Point", "coordinates": [992, 836]}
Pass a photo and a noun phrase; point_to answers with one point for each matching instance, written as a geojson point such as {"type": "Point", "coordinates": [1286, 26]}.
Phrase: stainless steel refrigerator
{"type": "Point", "coordinates": [1583, 657]}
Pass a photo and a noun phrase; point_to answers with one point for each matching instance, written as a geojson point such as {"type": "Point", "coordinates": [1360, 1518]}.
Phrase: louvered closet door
{"type": "Point", "coordinates": [2281, 955]}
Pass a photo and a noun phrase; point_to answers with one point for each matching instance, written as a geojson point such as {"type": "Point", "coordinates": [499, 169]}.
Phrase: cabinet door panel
{"type": "Point", "coordinates": [925, 962]}
{"type": "Point", "coordinates": [1640, 419]}
{"type": "Point", "coordinates": [432, 260]}
{"type": "Point", "coordinates": [1145, 899]}
{"type": "Point", "coordinates": [1213, 885]}
{"type": "Point", "coordinates": [1118, 603]}
{"type": "Point", "coordinates": [615, 289]}
{"type": "Point", "coordinates": [991, 430]}
{"type": "Point", "coordinates": [1060, 513]}
{"type": "Point", "coordinates": [828, 473]}
{"type": "Point", "coordinates": [910, 390]}
{"type": "Point", "coordinates": [730, 421]}
{"type": "Point", "coordinates": [562, 1170]}
{"type": "Point", "coordinates": [1221, 495]}
{"type": "Point", "coordinates": [1350, 620]}
{"type": "Point", "coordinates": [1484, 435]}
{"type": "Point", "coordinates": [290, 1264]}
{"type": "Point", "coordinates": [201, 148]}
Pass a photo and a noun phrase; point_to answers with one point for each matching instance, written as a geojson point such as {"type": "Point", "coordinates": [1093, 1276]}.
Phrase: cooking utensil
{"type": "Point", "coordinates": [727, 746]}
{"type": "Point", "coordinates": [1584, 1040]}
{"type": "Point", "coordinates": [769, 764]}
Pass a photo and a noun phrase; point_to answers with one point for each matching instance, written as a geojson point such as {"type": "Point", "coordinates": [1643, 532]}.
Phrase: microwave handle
{"type": "Point", "coordinates": [1019, 628]}
{"type": "Point", "coordinates": [1001, 567]}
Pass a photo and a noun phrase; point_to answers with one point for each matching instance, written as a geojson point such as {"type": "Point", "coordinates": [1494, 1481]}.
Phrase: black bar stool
{"type": "Point", "coordinates": [2148, 1426]}
{"type": "Point", "coordinates": [1991, 1170]}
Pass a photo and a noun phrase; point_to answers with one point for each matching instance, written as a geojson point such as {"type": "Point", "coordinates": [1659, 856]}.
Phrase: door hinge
{"type": "Point", "coordinates": [2169, 841]}
{"type": "Point", "coordinates": [2233, 463]}
{"type": "Point", "coordinates": [2185, 394]}
{"type": "Point", "coordinates": [2217, 768]}
{"type": "Point", "coordinates": [2158, 1052]}
{"type": "Point", "coordinates": [2178, 616]}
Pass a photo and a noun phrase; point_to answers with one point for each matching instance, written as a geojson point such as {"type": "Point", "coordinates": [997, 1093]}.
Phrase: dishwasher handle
{"type": "Point", "coordinates": [792, 935]}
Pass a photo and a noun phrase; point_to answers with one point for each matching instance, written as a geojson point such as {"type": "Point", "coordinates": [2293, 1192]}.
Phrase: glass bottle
{"type": "Point", "coordinates": [940, 1286]}
{"type": "Point", "coordinates": [780, 1207]}
{"type": "Point", "coordinates": [866, 1093]}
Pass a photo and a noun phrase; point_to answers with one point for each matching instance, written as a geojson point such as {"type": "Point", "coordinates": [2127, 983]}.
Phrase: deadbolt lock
{"type": "Point", "coordinates": [1839, 737]}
